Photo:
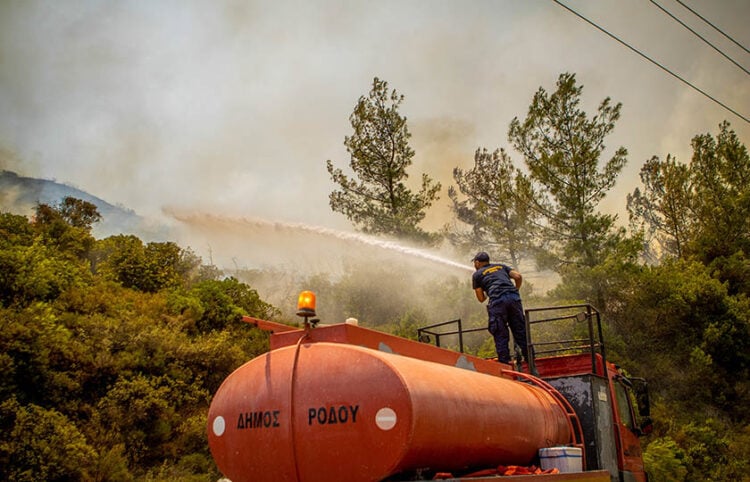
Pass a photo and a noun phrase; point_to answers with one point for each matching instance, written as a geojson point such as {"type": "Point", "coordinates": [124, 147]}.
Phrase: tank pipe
{"type": "Point", "coordinates": [293, 376]}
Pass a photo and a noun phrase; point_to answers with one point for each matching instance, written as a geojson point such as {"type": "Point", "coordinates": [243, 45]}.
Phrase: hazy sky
{"type": "Point", "coordinates": [233, 107]}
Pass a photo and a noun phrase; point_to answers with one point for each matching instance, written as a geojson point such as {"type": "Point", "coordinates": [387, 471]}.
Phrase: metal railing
{"type": "Point", "coordinates": [593, 343]}
{"type": "Point", "coordinates": [423, 334]}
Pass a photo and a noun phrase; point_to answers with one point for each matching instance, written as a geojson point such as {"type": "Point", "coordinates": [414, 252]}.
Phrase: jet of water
{"type": "Point", "coordinates": [198, 218]}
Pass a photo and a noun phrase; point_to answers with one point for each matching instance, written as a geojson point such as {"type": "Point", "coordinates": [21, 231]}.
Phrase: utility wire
{"type": "Point", "coordinates": [714, 26]}
{"type": "Point", "coordinates": [652, 61]}
{"type": "Point", "coordinates": [699, 36]}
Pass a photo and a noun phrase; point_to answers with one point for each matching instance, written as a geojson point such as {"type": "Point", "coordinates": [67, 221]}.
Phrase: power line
{"type": "Point", "coordinates": [652, 61]}
{"type": "Point", "coordinates": [714, 26]}
{"type": "Point", "coordinates": [699, 36]}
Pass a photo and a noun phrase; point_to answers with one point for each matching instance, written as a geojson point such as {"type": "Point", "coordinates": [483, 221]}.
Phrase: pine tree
{"type": "Point", "coordinates": [377, 201]}
{"type": "Point", "coordinates": [492, 201]}
{"type": "Point", "coordinates": [562, 149]}
{"type": "Point", "coordinates": [663, 209]}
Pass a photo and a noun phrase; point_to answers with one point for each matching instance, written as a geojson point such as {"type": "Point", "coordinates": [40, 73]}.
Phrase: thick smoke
{"type": "Point", "coordinates": [234, 107]}
{"type": "Point", "coordinates": [280, 259]}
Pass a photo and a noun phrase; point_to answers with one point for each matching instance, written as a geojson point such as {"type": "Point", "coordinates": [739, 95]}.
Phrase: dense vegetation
{"type": "Point", "coordinates": [110, 351]}
{"type": "Point", "coordinates": [112, 348]}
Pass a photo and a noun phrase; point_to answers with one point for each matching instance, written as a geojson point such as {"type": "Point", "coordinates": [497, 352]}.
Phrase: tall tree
{"type": "Point", "coordinates": [721, 180]}
{"type": "Point", "coordinates": [664, 208]}
{"type": "Point", "coordinates": [378, 201]}
{"type": "Point", "coordinates": [701, 210]}
{"type": "Point", "coordinates": [562, 148]}
{"type": "Point", "coordinates": [492, 201]}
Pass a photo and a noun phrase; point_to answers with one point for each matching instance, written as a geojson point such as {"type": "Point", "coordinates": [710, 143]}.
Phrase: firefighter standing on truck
{"type": "Point", "coordinates": [500, 284]}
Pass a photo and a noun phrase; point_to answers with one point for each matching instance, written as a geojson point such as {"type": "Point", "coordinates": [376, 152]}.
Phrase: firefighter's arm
{"type": "Point", "coordinates": [480, 294]}
{"type": "Point", "coordinates": [517, 278]}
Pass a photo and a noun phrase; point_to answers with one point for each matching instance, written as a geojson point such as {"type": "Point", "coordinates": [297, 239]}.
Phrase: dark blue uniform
{"type": "Point", "coordinates": [503, 308]}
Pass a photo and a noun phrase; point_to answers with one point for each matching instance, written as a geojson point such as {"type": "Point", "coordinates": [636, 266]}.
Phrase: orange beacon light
{"type": "Point", "coordinates": [306, 305]}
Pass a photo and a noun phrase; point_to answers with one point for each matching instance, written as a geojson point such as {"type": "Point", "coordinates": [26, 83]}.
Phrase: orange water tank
{"type": "Point", "coordinates": [335, 412]}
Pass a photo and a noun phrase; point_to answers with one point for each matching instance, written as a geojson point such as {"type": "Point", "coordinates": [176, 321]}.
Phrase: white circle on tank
{"type": "Point", "coordinates": [385, 419]}
{"type": "Point", "coordinates": [219, 426]}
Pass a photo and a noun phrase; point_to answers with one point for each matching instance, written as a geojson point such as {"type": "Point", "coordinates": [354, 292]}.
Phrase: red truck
{"type": "Point", "coordinates": [346, 403]}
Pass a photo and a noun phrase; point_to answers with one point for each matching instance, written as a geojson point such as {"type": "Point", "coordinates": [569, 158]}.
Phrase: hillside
{"type": "Point", "coordinates": [20, 195]}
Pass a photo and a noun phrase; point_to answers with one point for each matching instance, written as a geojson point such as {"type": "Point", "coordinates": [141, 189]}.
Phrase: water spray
{"type": "Point", "coordinates": [201, 218]}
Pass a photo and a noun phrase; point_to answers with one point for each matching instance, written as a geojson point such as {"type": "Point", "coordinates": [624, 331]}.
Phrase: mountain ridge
{"type": "Point", "coordinates": [21, 194]}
